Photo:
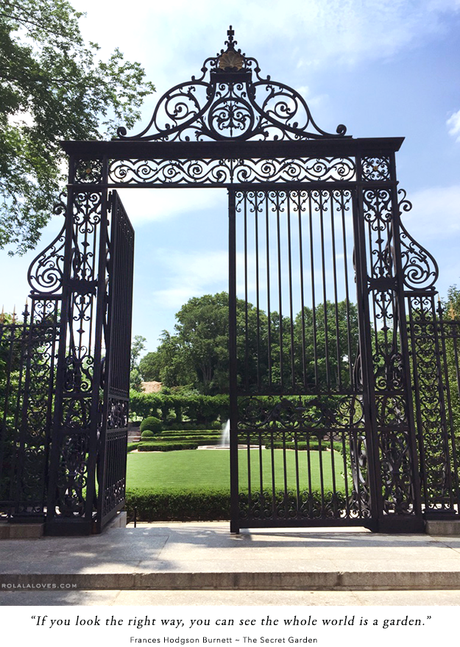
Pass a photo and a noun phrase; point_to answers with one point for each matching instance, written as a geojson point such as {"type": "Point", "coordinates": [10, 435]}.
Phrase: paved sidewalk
{"type": "Point", "coordinates": [202, 563]}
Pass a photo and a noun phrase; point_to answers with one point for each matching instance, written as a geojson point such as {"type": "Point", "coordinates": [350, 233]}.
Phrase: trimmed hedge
{"type": "Point", "coordinates": [190, 433]}
{"type": "Point", "coordinates": [313, 445]}
{"type": "Point", "coordinates": [178, 506]}
{"type": "Point", "coordinates": [132, 446]}
{"type": "Point", "coordinates": [205, 505]}
{"type": "Point", "coordinates": [199, 408]}
{"type": "Point", "coordinates": [159, 446]}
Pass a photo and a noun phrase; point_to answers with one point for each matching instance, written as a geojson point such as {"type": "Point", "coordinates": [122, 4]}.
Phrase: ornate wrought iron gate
{"type": "Point", "coordinates": [87, 466]}
{"type": "Point", "coordinates": [320, 379]}
{"type": "Point", "coordinates": [339, 373]}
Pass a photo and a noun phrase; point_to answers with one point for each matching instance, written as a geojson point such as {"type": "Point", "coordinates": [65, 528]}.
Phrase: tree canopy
{"type": "Point", "coordinates": [53, 87]}
{"type": "Point", "coordinates": [316, 348]}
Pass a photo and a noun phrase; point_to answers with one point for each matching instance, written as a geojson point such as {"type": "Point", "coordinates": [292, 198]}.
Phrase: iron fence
{"type": "Point", "coordinates": [27, 373]}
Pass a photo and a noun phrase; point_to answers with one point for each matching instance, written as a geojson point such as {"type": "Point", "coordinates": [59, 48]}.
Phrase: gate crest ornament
{"type": "Point", "coordinates": [231, 105]}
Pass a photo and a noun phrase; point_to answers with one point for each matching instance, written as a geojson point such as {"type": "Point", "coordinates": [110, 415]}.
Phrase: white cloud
{"type": "Point", "coordinates": [171, 38]}
{"type": "Point", "coordinates": [146, 205]}
{"type": "Point", "coordinates": [190, 274]}
{"type": "Point", "coordinates": [453, 123]}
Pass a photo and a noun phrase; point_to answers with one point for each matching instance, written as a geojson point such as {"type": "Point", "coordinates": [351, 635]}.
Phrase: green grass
{"type": "Point", "coordinates": [207, 469]}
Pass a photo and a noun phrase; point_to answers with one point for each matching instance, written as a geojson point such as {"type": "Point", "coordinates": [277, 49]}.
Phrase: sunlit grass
{"type": "Point", "coordinates": [210, 469]}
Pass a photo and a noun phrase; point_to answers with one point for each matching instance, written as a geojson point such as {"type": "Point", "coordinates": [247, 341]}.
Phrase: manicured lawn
{"type": "Point", "coordinates": [210, 469]}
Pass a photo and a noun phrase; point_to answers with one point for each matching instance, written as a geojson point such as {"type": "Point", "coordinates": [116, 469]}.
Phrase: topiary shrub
{"type": "Point", "coordinates": [147, 434]}
{"type": "Point", "coordinates": [151, 424]}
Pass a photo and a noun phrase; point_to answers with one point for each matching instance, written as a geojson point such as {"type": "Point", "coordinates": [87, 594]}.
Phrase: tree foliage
{"type": "Point", "coordinates": [137, 347]}
{"type": "Point", "coordinates": [315, 348]}
{"type": "Point", "coordinates": [52, 87]}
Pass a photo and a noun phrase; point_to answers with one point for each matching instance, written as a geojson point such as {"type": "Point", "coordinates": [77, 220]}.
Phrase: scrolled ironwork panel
{"type": "Point", "coordinates": [420, 269]}
{"type": "Point", "coordinates": [46, 270]}
{"type": "Point", "coordinates": [389, 391]}
{"type": "Point", "coordinates": [226, 102]}
{"type": "Point", "coordinates": [73, 458]}
{"type": "Point", "coordinates": [375, 169]}
{"type": "Point", "coordinates": [218, 172]}
{"type": "Point", "coordinates": [89, 171]}
{"type": "Point", "coordinates": [27, 351]}
{"type": "Point", "coordinates": [301, 459]}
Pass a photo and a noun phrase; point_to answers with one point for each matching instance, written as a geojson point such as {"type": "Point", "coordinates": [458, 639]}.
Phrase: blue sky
{"type": "Point", "coordinates": [381, 68]}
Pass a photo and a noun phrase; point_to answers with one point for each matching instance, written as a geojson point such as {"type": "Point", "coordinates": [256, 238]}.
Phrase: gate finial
{"type": "Point", "coordinates": [230, 34]}
{"type": "Point", "coordinates": [230, 60]}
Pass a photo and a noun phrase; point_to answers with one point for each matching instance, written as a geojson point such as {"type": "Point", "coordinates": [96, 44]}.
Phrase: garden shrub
{"type": "Point", "coordinates": [302, 445]}
{"type": "Point", "coordinates": [179, 505]}
{"type": "Point", "coordinates": [151, 424]}
{"type": "Point", "coordinates": [132, 446]}
{"type": "Point", "coordinates": [208, 505]}
{"type": "Point", "coordinates": [165, 447]}
{"type": "Point", "coordinates": [174, 409]}
{"type": "Point", "coordinates": [147, 434]}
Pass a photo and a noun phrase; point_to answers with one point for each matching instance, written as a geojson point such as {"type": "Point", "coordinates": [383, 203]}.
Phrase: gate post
{"type": "Point", "coordinates": [384, 348]}
{"type": "Point", "coordinates": [74, 439]}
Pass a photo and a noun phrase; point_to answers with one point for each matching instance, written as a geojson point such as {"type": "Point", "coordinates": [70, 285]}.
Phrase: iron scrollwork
{"type": "Point", "coordinates": [89, 171]}
{"type": "Point", "coordinates": [45, 271]}
{"type": "Point", "coordinates": [420, 269]}
{"type": "Point", "coordinates": [376, 168]}
{"type": "Point", "coordinates": [212, 172]}
{"type": "Point", "coordinates": [231, 105]}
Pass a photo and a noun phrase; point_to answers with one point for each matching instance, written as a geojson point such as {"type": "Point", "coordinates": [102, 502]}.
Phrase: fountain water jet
{"type": "Point", "coordinates": [225, 436]}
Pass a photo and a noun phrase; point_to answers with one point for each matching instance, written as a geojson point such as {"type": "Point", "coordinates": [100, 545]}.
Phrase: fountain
{"type": "Point", "coordinates": [224, 442]}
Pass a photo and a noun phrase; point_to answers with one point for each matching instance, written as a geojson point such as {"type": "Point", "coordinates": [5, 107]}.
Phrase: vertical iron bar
{"type": "Point", "coordinates": [234, 523]}
{"type": "Point", "coordinates": [336, 298]}
{"type": "Point", "coordinates": [246, 296]}
{"type": "Point", "coordinates": [302, 294]}
{"type": "Point", "coordinates": [269, 327]}
{"type": "Point", "coordinates": [449, 409]}
{"type": "Point", "coordinates": [280, 296]}
{"type": "Point", "coordinates": [325, 313]}
{"type": "Point", "coordinates": [347, 294]}
{"type": "Point", "coordinates": [313, 298]}
{"type": "Point", "coordinates": [291, 304]}
{"type": "Point", "coordinates": [256, 243]}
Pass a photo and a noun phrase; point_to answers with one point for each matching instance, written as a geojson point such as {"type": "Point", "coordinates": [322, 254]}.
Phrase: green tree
{"type": "Point", "coordinates": [315, 350]}
{"type": "Point", "coordinates": [135, 378]}
{"type": "Point", "coordinates": [52, 87]}
{"type": "Point", "coordinates": [202, 333]}
{"type": "Point", "coordinates": [168, 364]}
{"type": "Point", "coordinates": [326, 344]}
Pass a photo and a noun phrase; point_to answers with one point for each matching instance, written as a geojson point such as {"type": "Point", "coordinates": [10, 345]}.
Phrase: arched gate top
{"type": "Point", "coordinates": [231, 101]}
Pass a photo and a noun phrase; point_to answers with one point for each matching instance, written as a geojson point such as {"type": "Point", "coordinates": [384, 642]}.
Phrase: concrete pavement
{"type": "Point", "coordinates": [202, 563]}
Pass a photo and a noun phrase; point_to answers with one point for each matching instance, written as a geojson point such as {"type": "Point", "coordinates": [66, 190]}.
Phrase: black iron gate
{"type": "Point", "coordinates": [342, 404]}
{"type": "Point", "coordinates": [116, 369]}
{"type": "Point", "coordinates": [88, 439]}
{"type": "Point", "coordinates": [321, 415]}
